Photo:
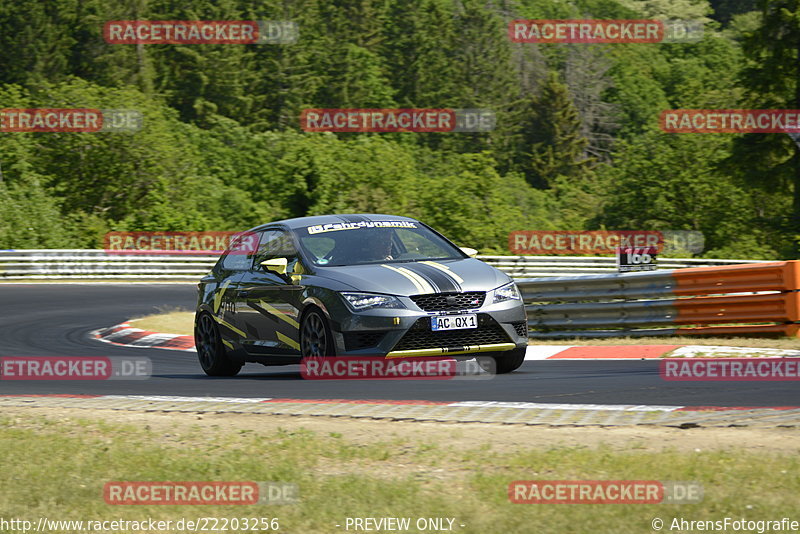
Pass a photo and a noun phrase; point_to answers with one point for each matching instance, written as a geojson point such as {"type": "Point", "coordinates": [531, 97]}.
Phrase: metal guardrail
{"type": "Point", "coordinates": [540, 266]}
{"type": "Point", "coordinates": [54, 264]}
{"type": "Point", "coordinates": [756, 298]}
{"type": "Point", "coordinates": [88, 263]}
{"type": "Point", "coordinates": [565, 296]}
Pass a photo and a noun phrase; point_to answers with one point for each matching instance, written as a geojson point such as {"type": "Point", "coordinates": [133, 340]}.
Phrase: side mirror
{"type": "Point", "coordinates": [276, 265]}
{"type": "Point", "coordinates": [471, 252]}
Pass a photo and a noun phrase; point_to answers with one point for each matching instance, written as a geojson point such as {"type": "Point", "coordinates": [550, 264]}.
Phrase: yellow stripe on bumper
{"type": "Point", "coordinates": [444, 351]}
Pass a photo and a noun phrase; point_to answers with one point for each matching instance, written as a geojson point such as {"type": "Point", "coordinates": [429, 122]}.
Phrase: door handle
{"type": "Point", "coordinates": [244, 293]}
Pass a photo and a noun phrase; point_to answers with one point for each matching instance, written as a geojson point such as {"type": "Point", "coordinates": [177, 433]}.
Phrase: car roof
{"type": "Point", "coordinates": [302, 222]}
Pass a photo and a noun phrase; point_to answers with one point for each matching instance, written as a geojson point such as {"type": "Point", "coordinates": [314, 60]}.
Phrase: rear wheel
{"type": "Point", "coordinates": [211, 352]}
{"type": "Point", "coordinates": [502, 362]}
{"type": "Point", "coordinates": [316, 340]}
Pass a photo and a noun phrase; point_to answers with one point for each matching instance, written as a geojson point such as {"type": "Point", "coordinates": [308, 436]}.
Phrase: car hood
{"type": "Point", "coordinates": [421, 277]}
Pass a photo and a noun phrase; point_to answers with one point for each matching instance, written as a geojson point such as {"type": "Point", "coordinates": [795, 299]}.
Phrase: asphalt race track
{"type": "Point", "coordinates": [55, 320]}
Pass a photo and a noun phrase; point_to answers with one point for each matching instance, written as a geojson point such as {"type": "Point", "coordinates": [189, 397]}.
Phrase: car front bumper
{"type": "Point", "coordinates": [406, 332]}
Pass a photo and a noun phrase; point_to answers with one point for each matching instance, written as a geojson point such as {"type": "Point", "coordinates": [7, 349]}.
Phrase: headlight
{"type": "Point", "coordinates": [366, 301]}
{"type": "Point", "coordinates": [506, 292]}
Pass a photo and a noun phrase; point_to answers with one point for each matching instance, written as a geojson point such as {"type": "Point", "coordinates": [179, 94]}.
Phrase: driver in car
{"type": "Point", "coordinates": [375, 246]}
{"type": "Point", "coordinates": [369, 246]}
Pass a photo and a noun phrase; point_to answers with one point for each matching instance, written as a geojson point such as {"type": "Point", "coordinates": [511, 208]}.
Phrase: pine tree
{"type": "Point", "coordinates": [36, 37]}
{"type": "Point", "coordinates": [557, 151]}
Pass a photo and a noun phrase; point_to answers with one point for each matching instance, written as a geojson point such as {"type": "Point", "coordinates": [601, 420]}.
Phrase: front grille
{"type": "Point", "coordinates": [521, 328]}
{"type": "Point", "coordinates": [362, 340]}
{"type": "Point", "coordinates": [420, 335]}
{"type": "Point", "coordinates": [450, 301]}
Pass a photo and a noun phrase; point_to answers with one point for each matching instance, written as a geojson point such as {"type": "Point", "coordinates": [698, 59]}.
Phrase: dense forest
{"type": "Point", "coordinates": [577, 143]}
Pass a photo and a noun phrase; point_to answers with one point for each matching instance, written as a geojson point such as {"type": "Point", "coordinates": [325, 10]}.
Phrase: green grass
{"type": "Point", "coordinates": [58, 468]}
{"type": "Point", "coordinates": [175, 321]}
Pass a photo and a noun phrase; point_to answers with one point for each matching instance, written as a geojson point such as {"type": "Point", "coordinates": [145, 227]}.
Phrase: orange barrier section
{"type": "Point", "coordinates": [775, 307]}
{"type": "Point", "coordinates": [774, 276]}
{"type": "Point", "coordinates": [783, 307]}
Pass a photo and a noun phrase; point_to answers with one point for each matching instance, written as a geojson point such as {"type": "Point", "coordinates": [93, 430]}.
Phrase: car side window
{"type": "Point", "coordinates": [275, 244]}
{"type": "Point", "coordinates": [239, 256]}
{"type": "Point", "coordinates": [319, 247]}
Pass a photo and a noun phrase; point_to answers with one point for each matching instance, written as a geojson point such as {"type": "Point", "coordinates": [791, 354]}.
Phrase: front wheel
{"type": "Point", "coordinates": [316, 340]}
{"type": "Point", "coordinates": [504, 362]}
{"type": "Point", "coordinates": [211, 352]}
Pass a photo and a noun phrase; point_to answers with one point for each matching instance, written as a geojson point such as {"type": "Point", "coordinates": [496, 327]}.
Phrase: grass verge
{"type": "Point", "coordinates": [56, 467]}
{"type": "Point", "coordinates": [176, 321]}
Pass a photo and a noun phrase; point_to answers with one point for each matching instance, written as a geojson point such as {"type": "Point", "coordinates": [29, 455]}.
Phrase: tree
{"type": "Point", "coordinates": [552, 131]}
{"type": "Point", "coordinates": [770, 163]}
{"type": "Point", "coordinates": [675, 182]}
{"type": "Point", "coordinates": [29, 217]}
{"type": "Point", "coordinates": [671, 9]}
{"type": "Point", "coordinates": [35, 40]}
{"type": "Point", "coordinates": [586, 76]}
{"type": "Point", "coordinates": [726, 10]}
{"type": "Point", "coordinates": [465, 198]}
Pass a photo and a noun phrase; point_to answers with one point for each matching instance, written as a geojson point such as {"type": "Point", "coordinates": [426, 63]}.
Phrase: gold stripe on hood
{"type": "Point", "coordinates": [420, 283]}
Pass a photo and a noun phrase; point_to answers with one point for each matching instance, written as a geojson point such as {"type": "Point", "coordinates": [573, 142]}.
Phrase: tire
{"type": "Point", "coordinates": [504, 362]}
{"type": "Point", "coordinates": [316, 339]}
{"type": "Point", "coordinates": [211, 352]}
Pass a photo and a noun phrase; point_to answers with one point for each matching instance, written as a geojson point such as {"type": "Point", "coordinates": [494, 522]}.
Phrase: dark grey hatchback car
{"type": "Point", "coordinates": [351, 285]}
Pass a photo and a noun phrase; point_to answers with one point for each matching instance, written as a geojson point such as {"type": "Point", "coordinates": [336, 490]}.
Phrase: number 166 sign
{"type": "Point", "coordinates": [636, 259]}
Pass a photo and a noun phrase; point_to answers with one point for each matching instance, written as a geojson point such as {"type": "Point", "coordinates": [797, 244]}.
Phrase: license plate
{"type": "Point", "coordinates": [454, 322]}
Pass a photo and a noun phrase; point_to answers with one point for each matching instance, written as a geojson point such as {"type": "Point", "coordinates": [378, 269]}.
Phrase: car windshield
{"type": "Point", "coordinates": [373, 242]}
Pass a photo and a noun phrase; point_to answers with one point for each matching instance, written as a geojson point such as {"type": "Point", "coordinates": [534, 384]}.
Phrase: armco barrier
{"type": "Point", "coordinates": [77, 264]}
{"type": "Point", "coordinates": [747, 299]}
{"type": "Point", "coordinates": [80, 263]}
{"type": "Point", "coordinates": [540, 266]}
